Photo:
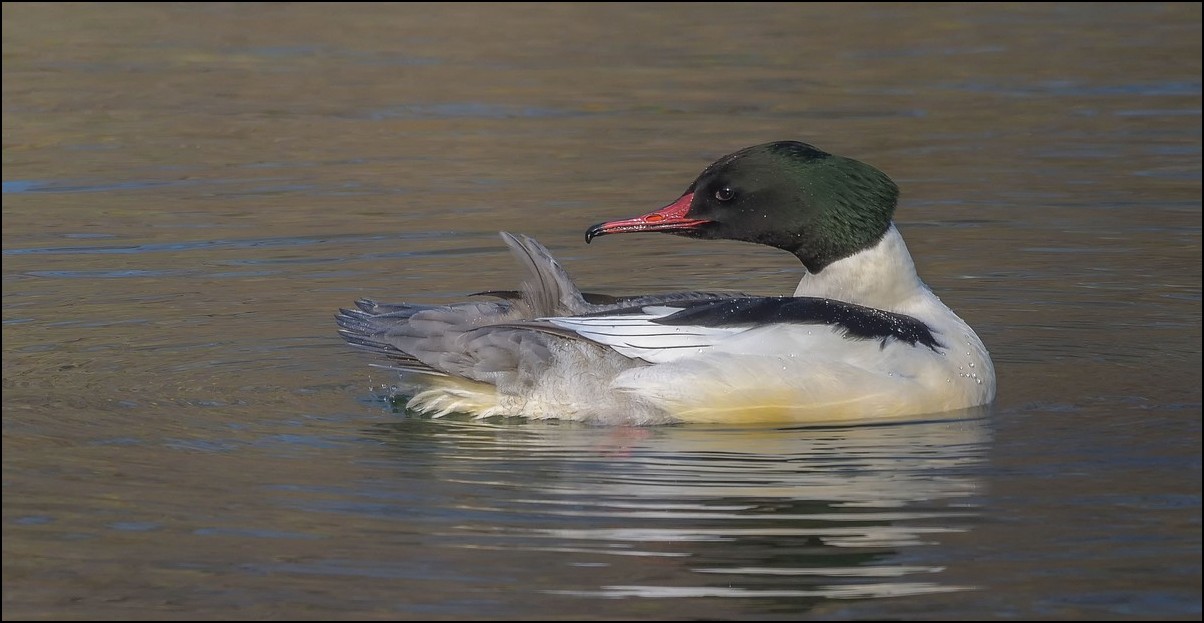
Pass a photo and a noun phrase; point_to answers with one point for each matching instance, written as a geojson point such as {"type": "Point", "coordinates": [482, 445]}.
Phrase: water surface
{"type": "Point", "coordinates": [191, 191]}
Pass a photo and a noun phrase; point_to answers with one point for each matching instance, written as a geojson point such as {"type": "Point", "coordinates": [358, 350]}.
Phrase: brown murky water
{"type": "Point", "coordinates": [192, 190]}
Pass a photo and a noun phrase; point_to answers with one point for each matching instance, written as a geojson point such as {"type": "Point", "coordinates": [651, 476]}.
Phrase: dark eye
{"type": "Point", "coordinates": [725, 193]}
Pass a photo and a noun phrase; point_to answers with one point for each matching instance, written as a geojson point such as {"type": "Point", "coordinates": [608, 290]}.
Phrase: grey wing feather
{"type": "Point", "coordinates": [424, 338]}
{"type": "Point", "coordinates": [479, 341]}
{"type": "Point", "coordinates": [548, 289]}
{"type": "Point", "coordinates": [498, 342]}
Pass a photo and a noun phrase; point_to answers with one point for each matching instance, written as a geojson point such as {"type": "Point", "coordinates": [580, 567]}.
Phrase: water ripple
{"type": "Point", "coordinates": [819, 512]}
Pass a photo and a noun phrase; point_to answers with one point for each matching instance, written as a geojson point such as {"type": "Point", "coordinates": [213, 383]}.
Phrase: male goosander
{"type": "Point", "coordinates": [861, 339]}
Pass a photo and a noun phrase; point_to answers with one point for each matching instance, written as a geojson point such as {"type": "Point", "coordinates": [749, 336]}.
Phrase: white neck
{"type": "Point", "coordinates": [882, 276]}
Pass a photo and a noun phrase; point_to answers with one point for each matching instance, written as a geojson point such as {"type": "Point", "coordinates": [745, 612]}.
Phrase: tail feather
{"type": "Point", "coordinates": [360, 331]}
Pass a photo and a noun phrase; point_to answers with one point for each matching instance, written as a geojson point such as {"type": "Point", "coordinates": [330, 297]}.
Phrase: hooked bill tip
{"type": "Point", "coordinates": [594, 232]}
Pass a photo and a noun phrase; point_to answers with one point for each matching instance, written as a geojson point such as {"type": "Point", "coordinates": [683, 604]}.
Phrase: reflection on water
{"type": "Point", "coordinates": [765, 513]}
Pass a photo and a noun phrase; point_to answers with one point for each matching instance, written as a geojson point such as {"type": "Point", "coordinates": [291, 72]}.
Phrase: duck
{"type": "Point", "coordinates": [861, 338]}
